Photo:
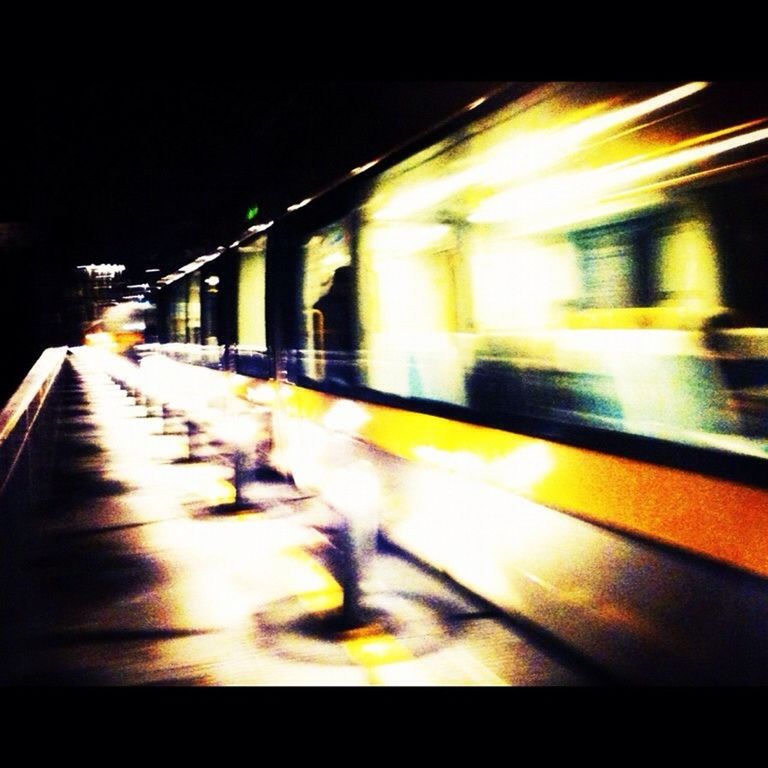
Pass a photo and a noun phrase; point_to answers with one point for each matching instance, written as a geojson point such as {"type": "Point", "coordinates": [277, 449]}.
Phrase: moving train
{"type": "Point", "coordinates": [532, 347]}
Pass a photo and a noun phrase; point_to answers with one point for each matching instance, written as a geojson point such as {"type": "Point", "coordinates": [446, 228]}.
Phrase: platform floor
{"type": "Point", "coordinates": [141, 575]}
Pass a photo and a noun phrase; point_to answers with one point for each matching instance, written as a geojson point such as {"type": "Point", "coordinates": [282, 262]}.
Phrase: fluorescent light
{"type": "Point", "coordinates": [299, 205]}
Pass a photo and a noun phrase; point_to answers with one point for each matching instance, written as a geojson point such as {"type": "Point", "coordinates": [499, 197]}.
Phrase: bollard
{"type": "Point", "coordinates": [238, 461]}
{"type": "Point", "coordinates": [166, 415]}
{"type": "Point", "coordinates": [353, 493]}
{"type": "Point", "coordinates": [350, 578]}
{"type": "Point", "coordinates": [193, 442]}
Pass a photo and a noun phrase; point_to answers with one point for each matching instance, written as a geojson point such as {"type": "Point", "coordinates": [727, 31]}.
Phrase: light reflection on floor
{"type": "Point", "coordinates": [194, 617]}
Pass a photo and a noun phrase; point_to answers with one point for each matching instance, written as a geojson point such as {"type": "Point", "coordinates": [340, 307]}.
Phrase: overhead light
{"type": "Point", "coordinates": [172, 278]}
{"type": "Point", "coordinates": [299, 205]}
{"type": "Point", "coordinates": [260, 227]}
{"type": "Point", "coordinates": [363, 168]}
{"type": "Point", "coordinates": [561, 193]}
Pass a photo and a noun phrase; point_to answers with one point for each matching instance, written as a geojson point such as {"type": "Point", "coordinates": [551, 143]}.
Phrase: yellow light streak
{"type": "Point", "coordinates": [560, 193]}
{"type": "Point", "coordinates": [526, 154]}
{"type": "Point", "coordinates": [530, 153]}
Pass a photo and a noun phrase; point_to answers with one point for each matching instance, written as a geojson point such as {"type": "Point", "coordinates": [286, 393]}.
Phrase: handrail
{"type": "Point", "coordinates": [22, 409]}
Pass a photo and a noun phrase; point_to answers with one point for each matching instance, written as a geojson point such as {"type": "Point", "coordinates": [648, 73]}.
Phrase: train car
{"type": "Point", "coordinates": [532, 349]}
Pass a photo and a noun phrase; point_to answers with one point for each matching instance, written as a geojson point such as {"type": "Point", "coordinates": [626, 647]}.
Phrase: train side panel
{"type": "Point", "coordinates": [540, 343]}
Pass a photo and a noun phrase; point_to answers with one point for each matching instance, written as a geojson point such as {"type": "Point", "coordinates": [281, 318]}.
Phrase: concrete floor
{"type": "Point", "coordinates": [141, 575]}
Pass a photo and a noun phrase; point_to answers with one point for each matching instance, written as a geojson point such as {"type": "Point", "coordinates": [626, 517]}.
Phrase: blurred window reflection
{"type": "Point", "coordinates": [591, 254]}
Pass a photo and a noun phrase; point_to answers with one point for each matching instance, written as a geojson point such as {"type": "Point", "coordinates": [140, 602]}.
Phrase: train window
{"type": "Point", "coordinates": [177, 331]}
{"type": "Point", "coordinates": [520, 283]}
{"type": "Point", "coordinates": [328, 305]}
{"type": "Point", "coordinates": [209, 308]}
{"type": "Point", "coordinates": [609, 266]}
{"type": "Point", "coordinates": [185, 311]}
{"type": "Point", "coordinates": [688, 273]}
{"type": "Point", "coordinates": [741, 231]}
{"type": "Point", "coordinates": [251, 327]}
{"type": "Point", "coordinates": [410, 313]}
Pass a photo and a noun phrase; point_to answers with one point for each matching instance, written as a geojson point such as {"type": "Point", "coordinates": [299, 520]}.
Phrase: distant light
{"type": "Point", "coordinates": [235, 244]}
{"type": "Point", "coordinates": [477, 103]}
{"type": "Point", "coordinates": [102, 270]}
{"type": "Point", "coordinates": [252, 213]}
{"type": "Point", "coordinates": [154, 269]}
{"type": "Point", "coordinates": [212, 280]}
{"type": "Point", "coordinates": [299, 205]}
{"type": "Point", "coordinates": [221, 248]}
{"type": "Point", "coordinates": [144, 286]}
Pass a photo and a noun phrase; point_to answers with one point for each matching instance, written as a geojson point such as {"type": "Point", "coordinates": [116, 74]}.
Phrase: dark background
{"type": "Point", "coordinates": [150, 173]}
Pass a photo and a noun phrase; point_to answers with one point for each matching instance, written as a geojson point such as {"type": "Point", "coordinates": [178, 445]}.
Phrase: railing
{"type": "Point", "coordinates": [27, 436]}
{"type": "Point", "coordinates": [18, 418]}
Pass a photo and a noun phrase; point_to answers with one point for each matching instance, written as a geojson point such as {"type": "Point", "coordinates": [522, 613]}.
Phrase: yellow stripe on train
{"type": "Point", "coordinates": [718, 518]}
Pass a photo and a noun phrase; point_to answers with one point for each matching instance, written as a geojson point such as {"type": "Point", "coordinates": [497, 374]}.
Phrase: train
{"type": "Point", "coordinates": [532, 347]}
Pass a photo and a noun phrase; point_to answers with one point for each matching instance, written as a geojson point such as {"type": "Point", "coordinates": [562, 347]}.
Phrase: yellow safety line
{"type": "Point", "coordinates": [317, 590]}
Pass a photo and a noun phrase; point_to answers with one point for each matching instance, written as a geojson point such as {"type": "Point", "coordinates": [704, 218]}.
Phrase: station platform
{"type": "Point", "coordinates": [142, 571]}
